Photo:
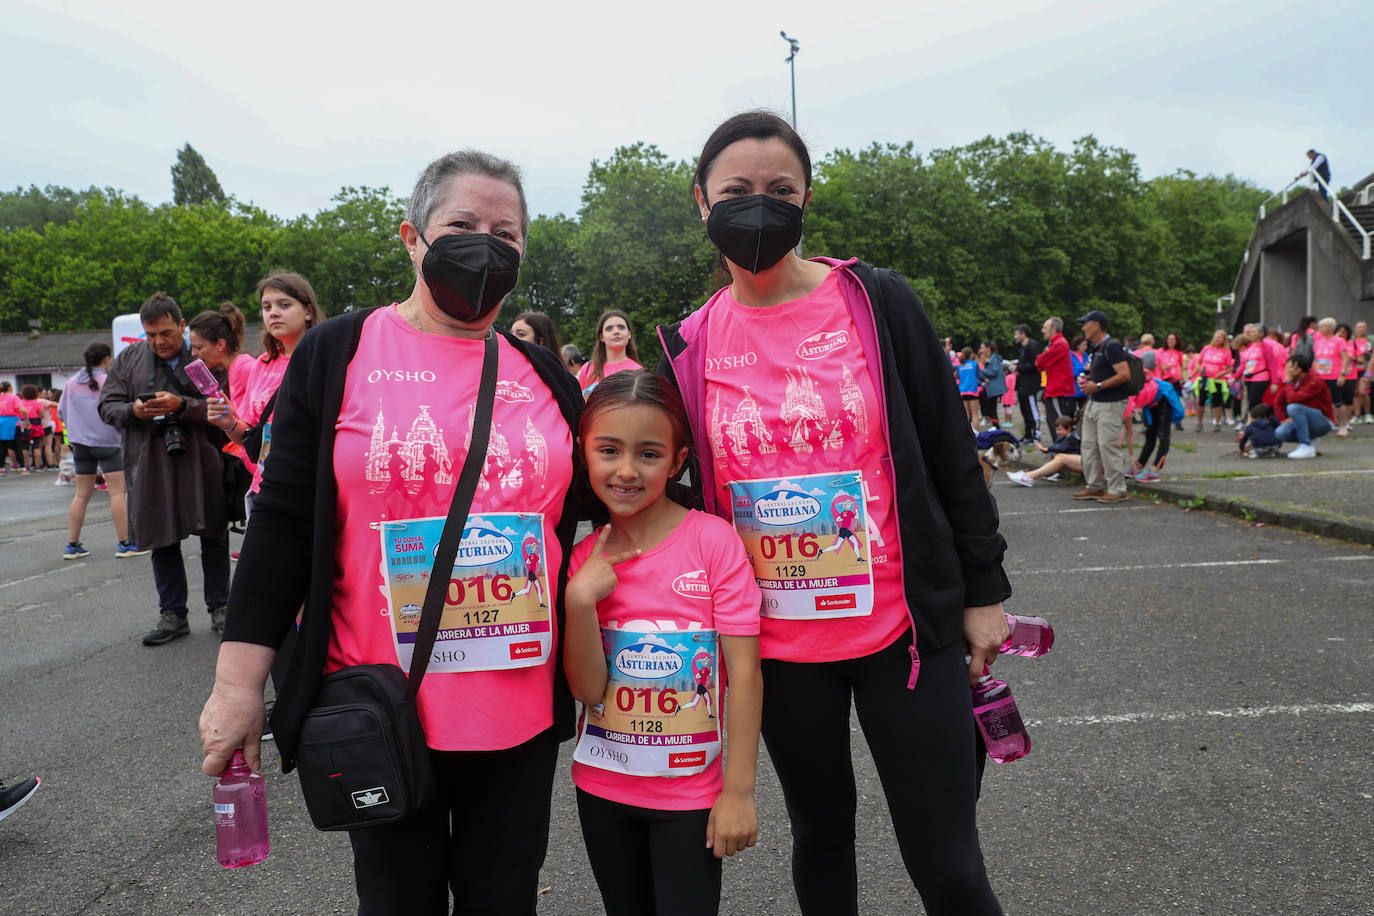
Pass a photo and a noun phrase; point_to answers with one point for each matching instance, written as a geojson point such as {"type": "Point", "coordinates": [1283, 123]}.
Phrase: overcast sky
{"type": "Point", "coordinates": [289, 101]}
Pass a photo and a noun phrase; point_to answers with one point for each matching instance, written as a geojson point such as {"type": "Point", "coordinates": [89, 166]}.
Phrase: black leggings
{"type": "Point", "coordinates": [491, 854]}
{"type": "Point", "coordinates": [649, 862]}
{"type": "Point", "coordinates": [1160, 430]}
{"type": "Point", "coordinates": [1029, 414]}
{"type": "Point", "coordinates": [922, 743]}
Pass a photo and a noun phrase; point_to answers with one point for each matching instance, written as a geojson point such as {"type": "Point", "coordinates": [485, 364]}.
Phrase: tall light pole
{"type": "Point", "coordinates": [790, 60]}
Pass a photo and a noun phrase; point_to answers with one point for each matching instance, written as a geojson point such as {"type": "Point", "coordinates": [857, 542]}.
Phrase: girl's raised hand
{"type": "Point", "coordinates": [596, 579]}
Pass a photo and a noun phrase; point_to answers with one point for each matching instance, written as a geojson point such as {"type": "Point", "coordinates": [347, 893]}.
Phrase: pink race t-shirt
{"type": "Point", "coordinates": [10, 405]}
{"type": "Point", "coordinates": [240, 371]}
{"type": "Point", "coordinates": [402, 436]}
{"type": "Point", "coordinates": [584, 373]}
{"type": "Point", "coordinates": [1169, 364]}
{"type": "Point", "coordinates": [1216, 361]}
{"type": "Point", "coordinates": [698, 578]}
{"type": "Point", "coordinates": [1358, 348]}
{"type": "Point", "coordinates": [789, 395]}
{"type": "Point", "coordinates": [1253, 366]}
{"type": "Point", "coordinates": [1327, 353]}
{"type": "Point", "coordinates": [263, 382]}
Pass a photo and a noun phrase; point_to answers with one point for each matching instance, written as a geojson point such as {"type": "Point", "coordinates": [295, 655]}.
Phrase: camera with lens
{"type": "Point", "coordinates": [173, 437]}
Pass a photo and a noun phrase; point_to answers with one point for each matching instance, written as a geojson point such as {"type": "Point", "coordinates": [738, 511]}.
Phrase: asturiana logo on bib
{"type": "Point", "coordinates": [817, 345]}
{"type": "Point", "coordinates": [786, 505]}
{"type": "Point", "coordinates": [482, 544]}
{"type": "Point", "coordinates": [513, 392]}
{"type": "Point", "coordinates": [693, 585]}
{"type": "Point", "coordinates": [647, 659]}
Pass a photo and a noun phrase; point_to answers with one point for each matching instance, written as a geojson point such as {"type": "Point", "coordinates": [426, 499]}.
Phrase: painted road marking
{"type": "Point", "coordinates": [1199, 565]}
{"type": "Point", "coordinates": [1244, 712]}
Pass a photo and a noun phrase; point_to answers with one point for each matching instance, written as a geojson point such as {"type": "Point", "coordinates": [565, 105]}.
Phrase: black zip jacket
{"type": "Point", "coordinates": [288, 553]}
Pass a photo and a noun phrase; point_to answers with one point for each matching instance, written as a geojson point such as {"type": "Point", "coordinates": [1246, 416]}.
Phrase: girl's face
{"type": "Point", "coordinates": [213, 353]}
{"type": "Point", "coordinates": [1171, 342]}
{"type": "Point", "coordinates": [615, 333]}
{"type": "Point", "coordinates": [630, 457]}
{"type": "Point", "coordinates": [283, 315]}
{"type": "Point", "coordinates": [523, 331]}
{"type": "Point", "coordinates": [1219, 339]}
{"type": "Point", "coordinates": [752, 166]}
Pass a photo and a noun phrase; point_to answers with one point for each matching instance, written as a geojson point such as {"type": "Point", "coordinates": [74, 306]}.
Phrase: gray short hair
{"type": "Point", "coordinates": [1056, 323]}
{"type": "Point", "coordinates": [429, 187]}
{"type": "Point", "coordinates": [1252, 326]}
{"type": "Point", "coordinates": [1326, 323]}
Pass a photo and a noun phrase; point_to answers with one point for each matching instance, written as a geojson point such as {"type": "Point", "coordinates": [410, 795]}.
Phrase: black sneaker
{"type": "Point", "coordinates": [13, 797]}
{"type": "Point", "coordinates": [217, 615]}
{"type": "Point", "coordinates": [169, 627]}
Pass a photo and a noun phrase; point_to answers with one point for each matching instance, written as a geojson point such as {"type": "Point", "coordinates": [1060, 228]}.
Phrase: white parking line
{"type": "Point", "coordinates": [1245, 712]}
{"type": "Point", "coordinates": [1069, 511]}
{"type": "Point", "coordinates": [1199, 565]}
{"type": "Point", "coordinates": [25, 579]}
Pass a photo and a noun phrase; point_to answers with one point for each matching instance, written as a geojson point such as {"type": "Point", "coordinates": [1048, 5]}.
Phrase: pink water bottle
{"type": "Point", "coordinates": [999, 720]}
{"type": "Point", "coordinates": [199, 373]}
{"type": "Point", "coordinates": [1030, 636]}
{"type": "Point", "coordinates": [241, 815]}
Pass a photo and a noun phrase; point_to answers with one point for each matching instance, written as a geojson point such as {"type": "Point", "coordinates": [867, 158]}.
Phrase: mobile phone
{"type": "Point", "coordinates": [145, 396]}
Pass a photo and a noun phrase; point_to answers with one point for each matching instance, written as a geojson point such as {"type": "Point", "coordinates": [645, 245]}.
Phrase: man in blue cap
{"type": "Point", "coordinates": [1104, 382]}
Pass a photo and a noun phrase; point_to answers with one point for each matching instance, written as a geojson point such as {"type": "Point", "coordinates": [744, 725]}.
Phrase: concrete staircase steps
{"type": "Point", "coordinates": [1365, 215]}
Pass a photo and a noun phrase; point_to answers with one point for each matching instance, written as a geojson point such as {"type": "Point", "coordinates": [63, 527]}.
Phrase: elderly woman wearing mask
{"type": "Point", "coordinates": [371, 429]}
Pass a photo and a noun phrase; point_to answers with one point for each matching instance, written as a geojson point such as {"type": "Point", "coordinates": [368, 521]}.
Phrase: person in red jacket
{"type": "Point", "coordinates": [1057, 365]}
{"type": "Point", "coordinates": [1303, 407]}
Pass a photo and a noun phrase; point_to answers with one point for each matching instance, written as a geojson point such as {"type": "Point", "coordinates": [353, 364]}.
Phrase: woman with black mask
{"type": "Point", "coordinates": [372, 426]}
{"type": "Point", "coordinates": [822, 411]}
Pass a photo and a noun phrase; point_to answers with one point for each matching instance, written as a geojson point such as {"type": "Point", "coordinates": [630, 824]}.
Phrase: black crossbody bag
{"type": "Point", "coordinates": [362, 755]}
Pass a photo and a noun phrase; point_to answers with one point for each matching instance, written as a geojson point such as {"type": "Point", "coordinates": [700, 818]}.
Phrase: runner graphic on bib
{"type": "Point", "coordinates": [807, 538]}
{"type": "Point", "coordinates": [658, 716]}
{"type": "Point", "coordinates": [487, 625]}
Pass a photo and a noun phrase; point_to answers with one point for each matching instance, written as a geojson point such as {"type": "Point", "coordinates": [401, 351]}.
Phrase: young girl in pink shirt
{"type": "Point", "coordinates": [656, 597]}
{"type": "Point", "coordinates": [614, 351]}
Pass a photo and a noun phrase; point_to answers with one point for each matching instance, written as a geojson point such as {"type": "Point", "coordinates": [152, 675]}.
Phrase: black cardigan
{"type": "Point", "coordinates": [951, 548]}
{"type": "Point", "coordinates": [288, 553]}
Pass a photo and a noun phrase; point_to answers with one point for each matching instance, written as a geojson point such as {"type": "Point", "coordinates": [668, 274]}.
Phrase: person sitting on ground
{"type": "Point", "coordinates": [1259, 439]}
{"type": "Point", "coordinates": [1303, 407]}
{"type": "Point", "coordinates": [1065, 452]}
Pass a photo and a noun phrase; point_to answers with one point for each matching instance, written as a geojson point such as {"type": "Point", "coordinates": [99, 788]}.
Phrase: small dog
{"type": "Point", "coordinates": [996, 449]}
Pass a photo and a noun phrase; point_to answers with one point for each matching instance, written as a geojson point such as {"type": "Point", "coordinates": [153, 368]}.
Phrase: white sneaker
{"type": "Point", "coordinates": [1020, 477]}
{"type": "Point", "coordinates": [1303, 451]}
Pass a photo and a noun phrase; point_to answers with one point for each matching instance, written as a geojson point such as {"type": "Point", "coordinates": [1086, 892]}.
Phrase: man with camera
{"type": "Point", "coordinates": [172, 466]}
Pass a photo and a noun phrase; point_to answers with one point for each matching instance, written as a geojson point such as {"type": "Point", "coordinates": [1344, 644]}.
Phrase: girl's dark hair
{"type": "Point", "coordinates": [1063, 420]}
{"type": "Point", "coordinates": [545, 334]}
{"type": "Point", "coordinates": [1178, 341]}
{"type": "Point", "coordinates": [599, 351]}
{"type": "Point", "coordinates": [1349, 332]}
{"type": "Point", "coordinates": [750, 125]}
{"type": "Point", "coordinates": [226, 324]}
{"type": "Point", "coordinates": [1307, 321]}
{"type": "Point", "coordinates": [991, 345]}
{"type": "Point", "coordinates": [1260, 411]}
{"type": "Point", "coordinates": [966, 354]}
{"type": "Point", "coordinates": [298, 288]}
{"type": "Point", "coordinates": [638, 386]}
{"type": "Point", "coordinates": [28, 393]}
{"type": "Point", "coordinates": [95, 354]}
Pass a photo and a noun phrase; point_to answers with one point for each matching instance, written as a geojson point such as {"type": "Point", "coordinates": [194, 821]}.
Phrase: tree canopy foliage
{"type": "Point", "coordinates": [991, 234]}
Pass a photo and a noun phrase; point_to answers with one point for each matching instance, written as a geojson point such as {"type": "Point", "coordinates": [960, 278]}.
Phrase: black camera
{"type": "Point", "coordinates": [173, 437]}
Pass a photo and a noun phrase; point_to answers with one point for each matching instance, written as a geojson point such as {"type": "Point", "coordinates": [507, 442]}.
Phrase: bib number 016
{"type": "Point", "coordinates": [807, 546]}
{"type": "Point", "coordinates": [627, 698]}
{"type": "Point", "coordinates": [459, 589]}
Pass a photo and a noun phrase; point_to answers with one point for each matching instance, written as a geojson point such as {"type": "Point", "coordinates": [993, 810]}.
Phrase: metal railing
{"type": "Point", "coordinates": [1338, 209]}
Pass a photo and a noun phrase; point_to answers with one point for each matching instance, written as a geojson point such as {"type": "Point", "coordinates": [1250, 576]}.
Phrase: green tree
{"type": "Point", "coordinates": [351, 253]}
{"type": "Point", "coordinates": [549, 278]}
{"type": "Point", "coordinates": [193, 181]}
{"type": "Point", "coordinates": [36, 207]}
{"type": "Point", "coordinates": [640, 248]}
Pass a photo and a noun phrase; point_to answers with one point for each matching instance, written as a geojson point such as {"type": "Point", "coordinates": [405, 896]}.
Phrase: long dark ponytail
{"type": "Point", "coordinates": [95, 354]}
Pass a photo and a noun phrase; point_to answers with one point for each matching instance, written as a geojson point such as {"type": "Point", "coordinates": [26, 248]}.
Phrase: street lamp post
{"type": "Point", "coordinates": [790, 60]}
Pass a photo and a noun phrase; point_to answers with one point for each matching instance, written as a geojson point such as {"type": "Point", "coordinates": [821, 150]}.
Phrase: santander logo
{"type": "Point", "coordinates": [513, 392]}
{"type": "Point", "coordinates": [693, 585]}
{"type": "Point", "coordinates": [818, 345]}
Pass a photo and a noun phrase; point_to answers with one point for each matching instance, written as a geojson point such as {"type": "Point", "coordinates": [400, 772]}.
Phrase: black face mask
{"type": "Point", "coordinates": [754, 232]}
{"type": "Point", "coordinates": [469, 273]}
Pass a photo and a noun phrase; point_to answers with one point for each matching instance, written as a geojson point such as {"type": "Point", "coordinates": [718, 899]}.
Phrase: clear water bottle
{"type": "Point", "coordinates": [999, 720]}
{"type": "Point", "coordinates": [1031, 637]}
{"type": "Point", "coordinates": [241, 815]}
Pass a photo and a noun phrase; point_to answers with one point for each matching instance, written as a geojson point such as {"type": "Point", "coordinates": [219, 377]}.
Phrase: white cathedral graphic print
{"type": "Point", "coordinates": [421, 461]}
{"type": "Point", "coordinates": [809, 428]}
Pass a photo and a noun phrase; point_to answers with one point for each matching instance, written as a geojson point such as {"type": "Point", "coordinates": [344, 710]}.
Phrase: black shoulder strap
{"type": "Point", "coordinates": [456, 521]}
